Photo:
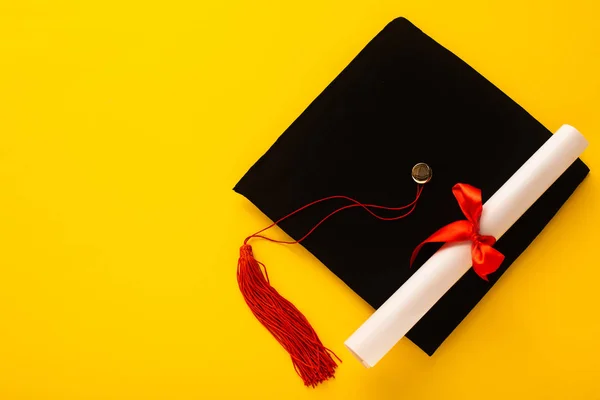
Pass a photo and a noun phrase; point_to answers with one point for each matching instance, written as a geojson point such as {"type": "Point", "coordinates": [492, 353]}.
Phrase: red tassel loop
{"type": "Point", "coordinates": [312, 360]}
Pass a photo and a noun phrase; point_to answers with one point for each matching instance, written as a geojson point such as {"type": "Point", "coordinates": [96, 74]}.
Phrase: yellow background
{"type": "Point", "coordinates": [124, 126]}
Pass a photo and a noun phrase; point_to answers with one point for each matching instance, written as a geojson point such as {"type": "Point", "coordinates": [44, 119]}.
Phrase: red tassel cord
{"type": "Point", "coordinates": [313, 362]}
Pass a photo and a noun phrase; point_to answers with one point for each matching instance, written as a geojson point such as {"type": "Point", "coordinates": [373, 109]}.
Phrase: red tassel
{"type": "Point", "coordinates": [312, 361]}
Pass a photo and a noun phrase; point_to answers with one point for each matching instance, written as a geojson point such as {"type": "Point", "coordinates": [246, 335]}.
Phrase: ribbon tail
{"type": "Point", "coordinates": [416, 252]}
{"type": "Point", "coordinates": [457, 231]}
{"type": "Point", "coordinates": [486, 259]}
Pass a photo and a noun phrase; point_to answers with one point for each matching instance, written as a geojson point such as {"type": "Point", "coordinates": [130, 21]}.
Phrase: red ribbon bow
{"type": "Point", "coordinates": [486, 259]}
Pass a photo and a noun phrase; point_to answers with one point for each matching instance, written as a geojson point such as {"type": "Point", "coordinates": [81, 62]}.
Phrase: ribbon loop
{"type": "Point", "coordinates": [469, 201]}
{"type": "Point", "coordinates": [486, 259]}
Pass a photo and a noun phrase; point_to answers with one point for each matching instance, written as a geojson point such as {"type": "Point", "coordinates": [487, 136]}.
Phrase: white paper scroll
{"type": "Point", "coordinates": [426, 286]}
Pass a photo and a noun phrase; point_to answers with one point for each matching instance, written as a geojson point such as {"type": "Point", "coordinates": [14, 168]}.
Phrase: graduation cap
{"type": "Point", "coordinates": [341, 181]}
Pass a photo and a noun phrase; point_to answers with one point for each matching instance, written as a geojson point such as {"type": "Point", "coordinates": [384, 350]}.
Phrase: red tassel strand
{"type": "Point", "coordinates": [313, 362]}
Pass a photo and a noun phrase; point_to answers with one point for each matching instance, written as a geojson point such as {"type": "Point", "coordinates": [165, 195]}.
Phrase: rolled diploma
{"type": "Point", "coordinates": [426, 286]}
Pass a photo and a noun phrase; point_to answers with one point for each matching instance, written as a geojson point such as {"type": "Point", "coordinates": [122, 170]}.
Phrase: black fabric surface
{"type": "Point", "coordinates": [404, 99]}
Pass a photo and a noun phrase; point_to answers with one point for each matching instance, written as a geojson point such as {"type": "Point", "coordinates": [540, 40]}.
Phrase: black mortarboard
{"type": "Point", "coordinates": [404, 99]}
